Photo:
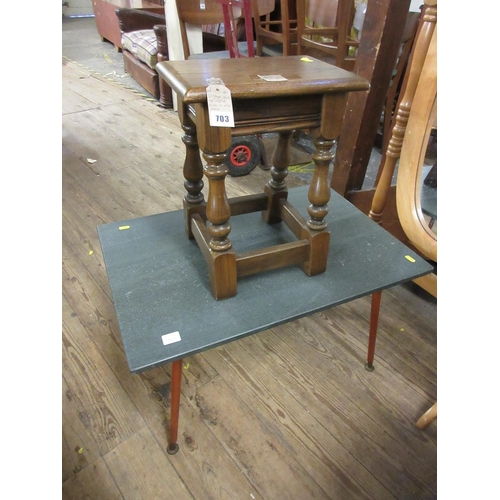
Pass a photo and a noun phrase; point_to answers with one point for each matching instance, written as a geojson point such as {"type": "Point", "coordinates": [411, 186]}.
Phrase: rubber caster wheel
{"type": "Point", "coordinates": [243, 155]}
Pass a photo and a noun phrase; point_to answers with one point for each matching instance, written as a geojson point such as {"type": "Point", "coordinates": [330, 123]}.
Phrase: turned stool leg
{"type": "Point", "coordinates": [332, 113]}
{"type": "Point", "coordinates": [218, 209]}
{"type": "Point", "coordinates": [276, 189]}
{"type": "Point", "coordinates": [193, 172]}
{"type": "Point", "coordinates": [319, 190]}
{"type": "Point", "coordinates": [319, 194]}
{"type": "Point", "coordinates": [212, 234]}
{"type": "Point", "coordinates": [193, 168]}
{"type": "Point", "coordinates": [214, 237]}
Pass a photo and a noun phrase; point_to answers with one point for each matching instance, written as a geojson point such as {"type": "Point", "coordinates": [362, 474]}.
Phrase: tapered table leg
{"type": "Point", "coordinates": [374, 314]}
{"type": "Point", "coordinates": [175, 400]}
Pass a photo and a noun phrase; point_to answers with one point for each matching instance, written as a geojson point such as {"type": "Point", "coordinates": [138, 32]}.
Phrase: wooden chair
{"type": "Point", "coordinates": [232, 32]}
{"type": "Point", "coordinates": [191, 13]}
{"type": "Point", "coordinates": [415, 119]}
{"type": "Point", "coordinates": [245, 152]}
{"type": "Point", "coordinates": [391, 100]}
{"type": "Point", "coordinates": [408, 204]}
{"type": "Point", "coordinates": [324, 30]}
{"type": "Point", "coordinates": [421, 120]}
{"type": "Point", "coordinates": [275, 27]}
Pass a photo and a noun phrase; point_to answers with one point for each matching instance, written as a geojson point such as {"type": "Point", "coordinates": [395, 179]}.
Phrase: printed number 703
{"type": "Point", "coordinates": [223, 118]}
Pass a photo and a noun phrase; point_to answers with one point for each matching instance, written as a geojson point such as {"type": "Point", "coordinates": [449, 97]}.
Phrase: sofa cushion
{"type": "Point", "coordinates": [143, 45]}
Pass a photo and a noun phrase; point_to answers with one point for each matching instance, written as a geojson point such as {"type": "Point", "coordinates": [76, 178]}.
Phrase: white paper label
{"type": "Point", "coordinates": [170, 338]}
{"type": "Point", "coordinates": [273, 78]}
{"type": "Point", "coordinates": [220, 106]}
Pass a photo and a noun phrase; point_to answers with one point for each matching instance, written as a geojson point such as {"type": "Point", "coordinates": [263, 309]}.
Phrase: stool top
{"type": "Point", "coordinates": [243, 77]}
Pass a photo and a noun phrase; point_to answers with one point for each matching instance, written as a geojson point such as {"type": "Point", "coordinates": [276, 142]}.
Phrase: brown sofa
{"type": "Point", "coordinates": [144, 43]}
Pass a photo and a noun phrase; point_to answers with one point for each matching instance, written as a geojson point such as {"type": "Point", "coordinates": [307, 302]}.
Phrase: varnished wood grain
{"type": "Point", "coordinates": [288, 413]}
{"type": "Point", "coordinates": [255, 448]}
{"type": "Point", "coordinates": [95, 481]}
{"type": "Point", "coordinates": [142, 470]}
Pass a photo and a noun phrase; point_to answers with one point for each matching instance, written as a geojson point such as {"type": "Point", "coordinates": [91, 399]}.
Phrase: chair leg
{"type": "Point", "coordinates": [427, 417]}
{"type": "Point", "coordinates": [374, 314]}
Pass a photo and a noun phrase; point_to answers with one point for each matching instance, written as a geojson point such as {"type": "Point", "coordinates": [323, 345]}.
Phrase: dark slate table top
{"type": "Point", "coordinates": [159, 279]}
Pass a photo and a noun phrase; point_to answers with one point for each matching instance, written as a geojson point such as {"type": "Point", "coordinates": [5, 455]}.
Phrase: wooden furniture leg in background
{"type": "Point", "coordinates": [427, 417]}
{"type": "Point", "coordinates": [395, 144]}
{"type": "Point", "coordinates": [175, 401]}
{"type": "Point", "coordinates": [374, 314]}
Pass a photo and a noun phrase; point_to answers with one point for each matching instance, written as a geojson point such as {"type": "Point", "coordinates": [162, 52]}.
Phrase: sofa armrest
{"type": "Point", "coordinates": [161, 42]}
{"type": "Point", "coordinates": [135, 20]}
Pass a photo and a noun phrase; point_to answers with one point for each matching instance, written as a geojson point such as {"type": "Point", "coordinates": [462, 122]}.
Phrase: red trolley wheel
{"type": "Point", "coordinates": [243, 155]}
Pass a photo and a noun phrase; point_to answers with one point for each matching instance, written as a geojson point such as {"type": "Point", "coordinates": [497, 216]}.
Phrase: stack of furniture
{"type": "Point", "coordinates": [321, 28]}
{"type": "Point", "coordinates": [144, 44]}
{"type": "Point", "coordinates": [144, 38]}
{"type": "Point", "coordinates": [415, 119]}
{"type": "Point", "coordinates": [193, 13]}
{"type": "Point", "coordinates": [384, 27]}
{"type": "Point", "coordinates": [275, 27]}
{"type": "Point", "coordinates": [324, 30]}
{"type": "Point", "coordinates": [107, 23]}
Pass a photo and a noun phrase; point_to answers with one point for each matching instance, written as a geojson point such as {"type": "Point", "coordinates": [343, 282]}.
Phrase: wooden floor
{"type": "Point", "coordinates": [290, 413]}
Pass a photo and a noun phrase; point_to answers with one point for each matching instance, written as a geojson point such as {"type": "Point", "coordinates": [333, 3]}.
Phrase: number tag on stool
{"type": "Point", "coordinates": [220, 105]}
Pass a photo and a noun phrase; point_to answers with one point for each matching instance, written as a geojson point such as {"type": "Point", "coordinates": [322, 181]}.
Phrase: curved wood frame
{"type": "Point", "coordinates": [408, 187]}
{"type": "Point", "coordinates": [420, 123]}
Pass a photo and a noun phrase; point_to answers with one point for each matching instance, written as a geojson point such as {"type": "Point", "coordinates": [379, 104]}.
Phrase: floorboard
{"type": "Point", "coordinates": [290, 413]}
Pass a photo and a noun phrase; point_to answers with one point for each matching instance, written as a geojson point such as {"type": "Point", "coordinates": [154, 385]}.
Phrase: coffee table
{"type": "Point", "coordinates": [163, 300]}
